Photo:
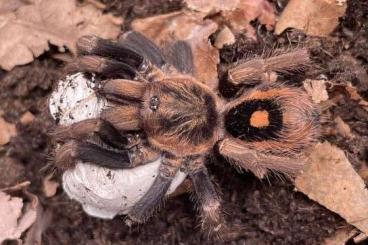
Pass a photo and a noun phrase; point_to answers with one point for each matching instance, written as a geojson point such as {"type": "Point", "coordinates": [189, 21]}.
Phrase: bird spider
{"type": "Point", "coordinates": [155, 93]}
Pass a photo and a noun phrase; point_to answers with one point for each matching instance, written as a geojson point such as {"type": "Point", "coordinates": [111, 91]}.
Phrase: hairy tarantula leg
{"type": "Point", "coordinates": [123, 118]}
{"type": "Point", "coordinates": [144, 46]}
{"type": "Point", "coordinates": [93, 45]}
{"type": "Point", "coordinates": [255, 69]}
{"type": "Point", "coordinates": [69, 153]}
{"type": "Point", "coordinates": [122, 90]}
{"type": "Point", "coordinates": [88, 127]}
{"type": "Point", "coordinates": [259, 162]}
{"type": "Point", "coordinates": [154, 197]}
{"type": "Point", "coordinates": [180, 55]}
{"type": "Point", "coordinates": [107, 67]}
{"type": "Point", "coordinates": [208, 199]}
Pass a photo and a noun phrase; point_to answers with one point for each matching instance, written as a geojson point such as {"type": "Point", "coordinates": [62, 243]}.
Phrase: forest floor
{"type": "Point", "coordinates": [271, 211]}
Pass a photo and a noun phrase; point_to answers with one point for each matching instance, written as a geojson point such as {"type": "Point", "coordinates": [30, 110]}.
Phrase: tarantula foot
{"type": "Point", "coordinates": [65, 156]}
{"type": "Point", "coordinates": [87, 44]}
{"type": "Point", "coordinates": [136, 219]}
{"type": "Point", "coordinates": [212, 221]}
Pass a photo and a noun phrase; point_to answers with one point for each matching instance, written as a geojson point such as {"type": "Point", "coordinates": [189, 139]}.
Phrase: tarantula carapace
{"type": "Point", "coordinates": [154, 91]}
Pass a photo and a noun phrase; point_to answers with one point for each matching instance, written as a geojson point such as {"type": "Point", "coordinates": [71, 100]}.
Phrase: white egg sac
{"type": "Point", "coordinates": [103, 192]}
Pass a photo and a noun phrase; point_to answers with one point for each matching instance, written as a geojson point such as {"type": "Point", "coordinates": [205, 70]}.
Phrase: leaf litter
{"type": "Point", "coordinates": [313, 17]}
{"type": "Point", "coordinates": [328, 165]}
{"type": "Point", "coordinates": [28, 28]}
{"type": "Point", "coordinates": [18, 213]}
{"type": "Point", "coordinates": [332, 181]}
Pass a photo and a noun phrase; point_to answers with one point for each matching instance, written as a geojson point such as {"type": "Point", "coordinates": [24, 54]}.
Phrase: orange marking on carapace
{"type": "Point", "coordinates": [259, 119]}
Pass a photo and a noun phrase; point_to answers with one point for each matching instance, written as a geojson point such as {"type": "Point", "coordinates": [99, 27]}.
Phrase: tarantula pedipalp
{"type": "Point", "coordinates": [183, 120]}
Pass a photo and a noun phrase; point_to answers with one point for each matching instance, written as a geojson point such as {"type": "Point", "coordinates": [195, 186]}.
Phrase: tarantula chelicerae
{"type": "Point", "coordinates": [183, 120]}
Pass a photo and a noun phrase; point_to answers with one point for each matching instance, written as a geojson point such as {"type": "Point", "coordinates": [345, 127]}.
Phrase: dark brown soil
{"type": "Point", "coordinates": [270, 211]}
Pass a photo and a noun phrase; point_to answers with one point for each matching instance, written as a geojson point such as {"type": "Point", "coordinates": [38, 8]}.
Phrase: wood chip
{"type": "Point", "coordinates": [27, 118]}
{"type": "Point", "coordinates": [316, 89]}
{"type": "Point", "coordinates": [49, 187]}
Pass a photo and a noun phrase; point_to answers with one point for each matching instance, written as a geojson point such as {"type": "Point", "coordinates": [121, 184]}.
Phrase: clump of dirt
{"type": "Point", "coordinates": [269, 211]}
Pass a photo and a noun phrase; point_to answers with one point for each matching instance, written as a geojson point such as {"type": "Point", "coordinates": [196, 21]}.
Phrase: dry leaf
{"type": "Point", "coordinates": [340, 237]}
{"type": "Point", "coordinates": [211, 6]}
{"type": "Point", "coordinates": [239, 13]}
{"type": "Point", "coordinates": [224, 37]}
{"type": "Point", "coordinates": [164, 29]}
{"type": "Point", "coordinates": [16, 215]}
{"type": "Point", "coordinates": [43, 220]}
{"type": "Point", "coordinates": [343, 128]}
{"type": "Point", "coordinates": [49, 186]}
{"type": "Point", "coordinates": [7, 130]}
{"type": "Point", "coordinates": [331, 181]}
{"type": "Point", "coordinates": [314, 17]}
{"type": "Point", "coordinates": [27, 30]}
{"type": "Point", "coordinates": [354, 95]}
{"type": "Point", "coordinates": [316, 89]}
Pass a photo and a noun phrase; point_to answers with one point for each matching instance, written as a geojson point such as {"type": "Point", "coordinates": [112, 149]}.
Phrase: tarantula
{"type": "Point", "coordinates": [154, 92]}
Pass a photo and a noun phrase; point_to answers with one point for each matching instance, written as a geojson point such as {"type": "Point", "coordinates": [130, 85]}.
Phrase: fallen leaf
{"type": "Point", "coordinates": [224, 37]}
{"type": "Point", "coordinates": [49, 186]}
{"type": "Point", "coordinates": [43, 220]}
{"type": "Point", "coordinates": [340, 237]}
{"type": "Point", "coordinates": [211, 6]}
{"type": "Point", "coordinates": [360, 238]}
{"type": "Point", "coordinates": [363, 172]}
{"type": "Point", "coordinates": [27, 118]}
{"type": "Point", "coordinates": [16, 215]}
{"type": "Point", "coordinates": [7, 130]}
{"type": "Point", "coordinates": [313, 17]}
{"type": "Point", "coordinates": [238, 14]}
{"type": "Point", "coordinates": [316, 89]}
{"type": "Point", "coordinates": [331, 181]}
{"type": "Point", "coordinates": [354, 95]}
{"type": "Point", "coordinates": [27, 31]}
{"type": "Point", "coordinates": [10, 211]}
{"type": "Point", "coordinates": [343, 128]}
{"type": "Point", "coordinates": [164, 29]}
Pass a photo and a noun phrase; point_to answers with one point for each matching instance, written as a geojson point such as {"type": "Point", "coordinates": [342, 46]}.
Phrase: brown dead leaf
{"type": "Point", "coordinates": [224, 37]}
{"type": "Point", "coordinates": [238, 14]}
{"type": "Point", "coordinates": [354, 95]}
{"type": "Point", "coordinates": [43, 220]}
{"type": "Point", "coordinates": [7, 130]}
{"type": "Point", "coordinates": [16, 215]}
{"type": "Point", "coordinates": [316, 89]}
{"type": "Point", "coordinates": [313, 17]}
{"type": "Point", "coordinates": [211, 6]}
{"type": "Point", "coordinates": [331, 181]}
{"type": "Point", "coordinates": [343, 128]}
{"type": "Point", "coordinates": [363, 172]}
{"type": "Point", "coordinates": [49, 186]}
{"type": "Point", "coordinates": [340, 237]}
{"type": "Point", "coordinates": [164, 29]}
{"type": "Point", "coordinates": [26, 30]}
